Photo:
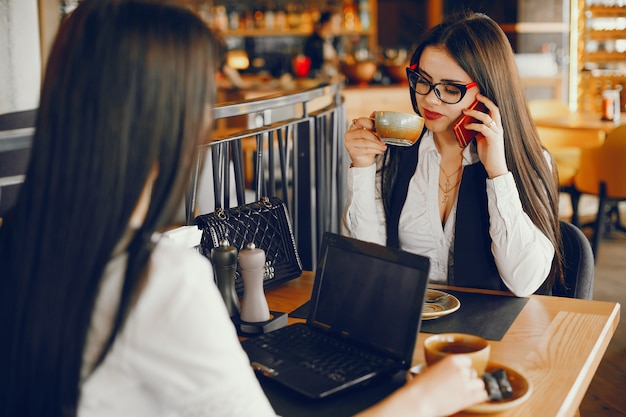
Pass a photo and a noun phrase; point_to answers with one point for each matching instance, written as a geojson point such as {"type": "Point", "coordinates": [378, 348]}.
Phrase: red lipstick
{"type": "Point", "coordinates": [431, 115]}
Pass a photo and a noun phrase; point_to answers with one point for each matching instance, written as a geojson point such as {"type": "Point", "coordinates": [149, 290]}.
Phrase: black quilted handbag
{"type": "Point", "coordinates": [264, 223]}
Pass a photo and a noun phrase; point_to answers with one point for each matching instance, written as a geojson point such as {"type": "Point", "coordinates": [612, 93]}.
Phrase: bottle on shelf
{"type": "Point", "coordinates": [270, 16]}
{"type": "Point", "coordinates": [259, 17]}
{"type": "Point", "coordinates": [364, 14]}
{"type": "Point", "coordinates": [306, 21]}
{"type": "Point", "coordinates": [248, 20]}
{"type": "Point", "coordinates": [281, 19]}
{"type": "Point", "coordinates": [611, 105]}
{"type": "Point", "coordinates": [350, 17]}
{"type": "Point", "coordinates": [234, 19]}
{"type": "Point", "coordinates": [220, 18]}
{"type": "Point", "coordinates": [293, 16]}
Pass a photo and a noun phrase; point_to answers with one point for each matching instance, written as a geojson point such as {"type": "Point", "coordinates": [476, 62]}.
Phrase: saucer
{"type": "Point", "coordinates": [398, 142]}
{"type": "Point", "coordinates": [522, 389]}
{"type": "Point", "coordinates": [439, 304]}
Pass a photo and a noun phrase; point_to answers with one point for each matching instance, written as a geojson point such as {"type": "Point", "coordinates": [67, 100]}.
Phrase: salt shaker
{"type": "Point", "coordinates": [224, 259]}
{"type": "Point", "coordinates": [254, 307]}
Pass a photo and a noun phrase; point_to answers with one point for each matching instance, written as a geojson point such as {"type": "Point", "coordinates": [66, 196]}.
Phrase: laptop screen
{"type": "Point", "coordinates": [371, 293]}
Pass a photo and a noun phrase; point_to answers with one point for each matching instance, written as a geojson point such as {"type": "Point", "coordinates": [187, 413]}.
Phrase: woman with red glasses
{"type": "Point", "coordinates": [486, 213]}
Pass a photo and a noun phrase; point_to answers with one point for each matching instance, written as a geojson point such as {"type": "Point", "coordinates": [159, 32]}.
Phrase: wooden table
{"type": "Point", "coordinates": [557, 343]}
{"type": "Point", "coordinates": [580, 120]}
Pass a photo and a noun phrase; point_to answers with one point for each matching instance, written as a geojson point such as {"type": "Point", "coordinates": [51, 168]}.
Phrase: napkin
{"type": "Point", "coordinates": [485, 315]}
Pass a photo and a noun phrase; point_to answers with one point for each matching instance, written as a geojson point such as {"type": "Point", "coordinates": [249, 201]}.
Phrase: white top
{"type": "Point", "coordinates": [523, 254]}
{"type": "Point", "coordinates": [178, 354]}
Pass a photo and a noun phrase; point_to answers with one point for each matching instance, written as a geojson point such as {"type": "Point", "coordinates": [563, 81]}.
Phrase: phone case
{"type": "Point", "coordinates": [463, 135]}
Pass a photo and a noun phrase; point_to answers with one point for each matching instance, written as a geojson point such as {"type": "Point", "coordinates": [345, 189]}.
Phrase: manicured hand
{"type": "Point", "coordinates": [490, 138]}
{"type": "Point", "coordinates": [362, 143]}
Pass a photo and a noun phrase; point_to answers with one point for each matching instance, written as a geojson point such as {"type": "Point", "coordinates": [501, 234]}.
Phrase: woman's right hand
{"type": "Point", "coordinates": [449, 386]}
{"type": "Point", "coordinates": [362, 143]}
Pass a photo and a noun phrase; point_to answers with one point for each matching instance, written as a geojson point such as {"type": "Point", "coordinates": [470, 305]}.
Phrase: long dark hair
{"type": "Point", "coordinates": [482, 49]}
{"type": "Point", "coordinates": [126, 90]}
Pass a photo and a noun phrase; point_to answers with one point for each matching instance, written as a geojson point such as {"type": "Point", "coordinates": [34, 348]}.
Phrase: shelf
{"type": "Point", "coordinates": [536, 27]}
{"type": "Point", "coordinates": [598, 35]}
{"type": "Point", "coordinates": [607, 74]}
{"type": "Point", "coordinates": [360, 24]}
{"type": "Point", "coordinates": [600, 28]}
{"type": "Point", "coordinates": [592, 83]}
{"type": "Point", "coordinates": [254, 33]}
{"type": "Point", "coordinates": [603, 56]}
{"type": "Point", "coordinates": [606, 11]}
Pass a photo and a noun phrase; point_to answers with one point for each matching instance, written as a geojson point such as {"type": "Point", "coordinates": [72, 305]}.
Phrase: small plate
{"type": "Point", "coordinates": [398, 142]}
{"type": "Point", "coordinates": [522, 388]}
{"type": "Point", "coordinates": [439, 304]}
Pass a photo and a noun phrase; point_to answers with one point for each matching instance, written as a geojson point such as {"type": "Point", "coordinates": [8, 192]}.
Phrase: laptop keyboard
{"type": "Point", "coordinates": [326, 356]}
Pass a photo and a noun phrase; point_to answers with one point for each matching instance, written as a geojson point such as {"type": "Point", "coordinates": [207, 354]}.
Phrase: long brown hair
{"type": "Point", "coordinates": [482, 49]}
{"type": "Point", "coordinates": [126, 89]}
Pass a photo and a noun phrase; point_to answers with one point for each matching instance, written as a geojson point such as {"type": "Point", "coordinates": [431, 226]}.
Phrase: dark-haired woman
{"type": "Point", "coordinates": [99, 316]}
{"type": "Point", "coordinates": [485, 214]}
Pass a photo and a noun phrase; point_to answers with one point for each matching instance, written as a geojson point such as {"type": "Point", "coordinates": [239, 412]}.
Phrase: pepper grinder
{"type": "Point", "coordinates": [224, 259]}
{"type": "Point", "coordinates": [254, 308]}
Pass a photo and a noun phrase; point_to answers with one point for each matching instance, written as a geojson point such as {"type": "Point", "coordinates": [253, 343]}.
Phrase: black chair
{"type": "Point", "coordinates": [578, 264]}
{"type": "Point", "coordinates": [602, 172]}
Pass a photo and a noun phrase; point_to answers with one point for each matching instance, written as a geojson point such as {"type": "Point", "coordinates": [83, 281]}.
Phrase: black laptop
{"type": "Point", "coordinates": [363, 320]}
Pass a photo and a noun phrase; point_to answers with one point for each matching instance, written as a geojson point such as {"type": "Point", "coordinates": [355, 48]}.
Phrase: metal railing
{"type": "Point", "coordinates": [16, 134]}
{"type": "Point", "coordinates": [299, 159]}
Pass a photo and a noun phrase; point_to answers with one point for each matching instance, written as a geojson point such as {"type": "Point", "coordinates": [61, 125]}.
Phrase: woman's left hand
{"type": "Point", "coordinates": [490, 138]}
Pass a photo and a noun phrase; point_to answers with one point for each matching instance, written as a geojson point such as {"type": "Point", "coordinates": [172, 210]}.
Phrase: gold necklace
{"type": "Point", "coordinates": [448, 185]}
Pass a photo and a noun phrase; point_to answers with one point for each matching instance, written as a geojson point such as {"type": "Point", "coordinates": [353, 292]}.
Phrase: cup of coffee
{"type": "Point", "coordinates": [397, 128]}
{"type": "Point", "coordinates": [438, 346]}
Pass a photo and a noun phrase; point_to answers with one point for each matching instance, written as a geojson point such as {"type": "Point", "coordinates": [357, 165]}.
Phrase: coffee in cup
{"type": "Point", "coordinates": [438, 346]}
{"type": "Point", "coordinates": [397, 128]}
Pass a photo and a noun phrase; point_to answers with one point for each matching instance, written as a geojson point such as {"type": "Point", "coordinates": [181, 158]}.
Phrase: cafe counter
{"type": "Point", "coordinates": [360, 100]}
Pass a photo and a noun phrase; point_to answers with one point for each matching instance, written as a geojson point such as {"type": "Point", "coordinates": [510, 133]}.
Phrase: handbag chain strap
{"type": "Point", "coordinates": [266, 201]}
{"type": "Point", "coordinates": [220, 213]}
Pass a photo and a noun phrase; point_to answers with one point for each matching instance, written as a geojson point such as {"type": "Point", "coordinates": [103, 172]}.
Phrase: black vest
{"type": "Point", "coordinates": [474, 265]}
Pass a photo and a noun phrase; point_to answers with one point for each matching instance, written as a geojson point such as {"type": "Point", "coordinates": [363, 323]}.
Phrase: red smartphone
{"type": "Point", "coordinates": [463, 135]}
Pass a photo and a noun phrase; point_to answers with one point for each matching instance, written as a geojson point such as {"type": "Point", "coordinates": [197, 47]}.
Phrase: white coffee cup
{"type": "Point", "coordinates": [397, 128]}
{"type": "Point", "coordinates": [438, 346]}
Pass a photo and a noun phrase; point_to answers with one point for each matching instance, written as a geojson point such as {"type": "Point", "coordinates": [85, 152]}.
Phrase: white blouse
{"type": "Point", "coordinates": [178, 353]}
{"type": "Point", "coordinates": [522, 253]}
